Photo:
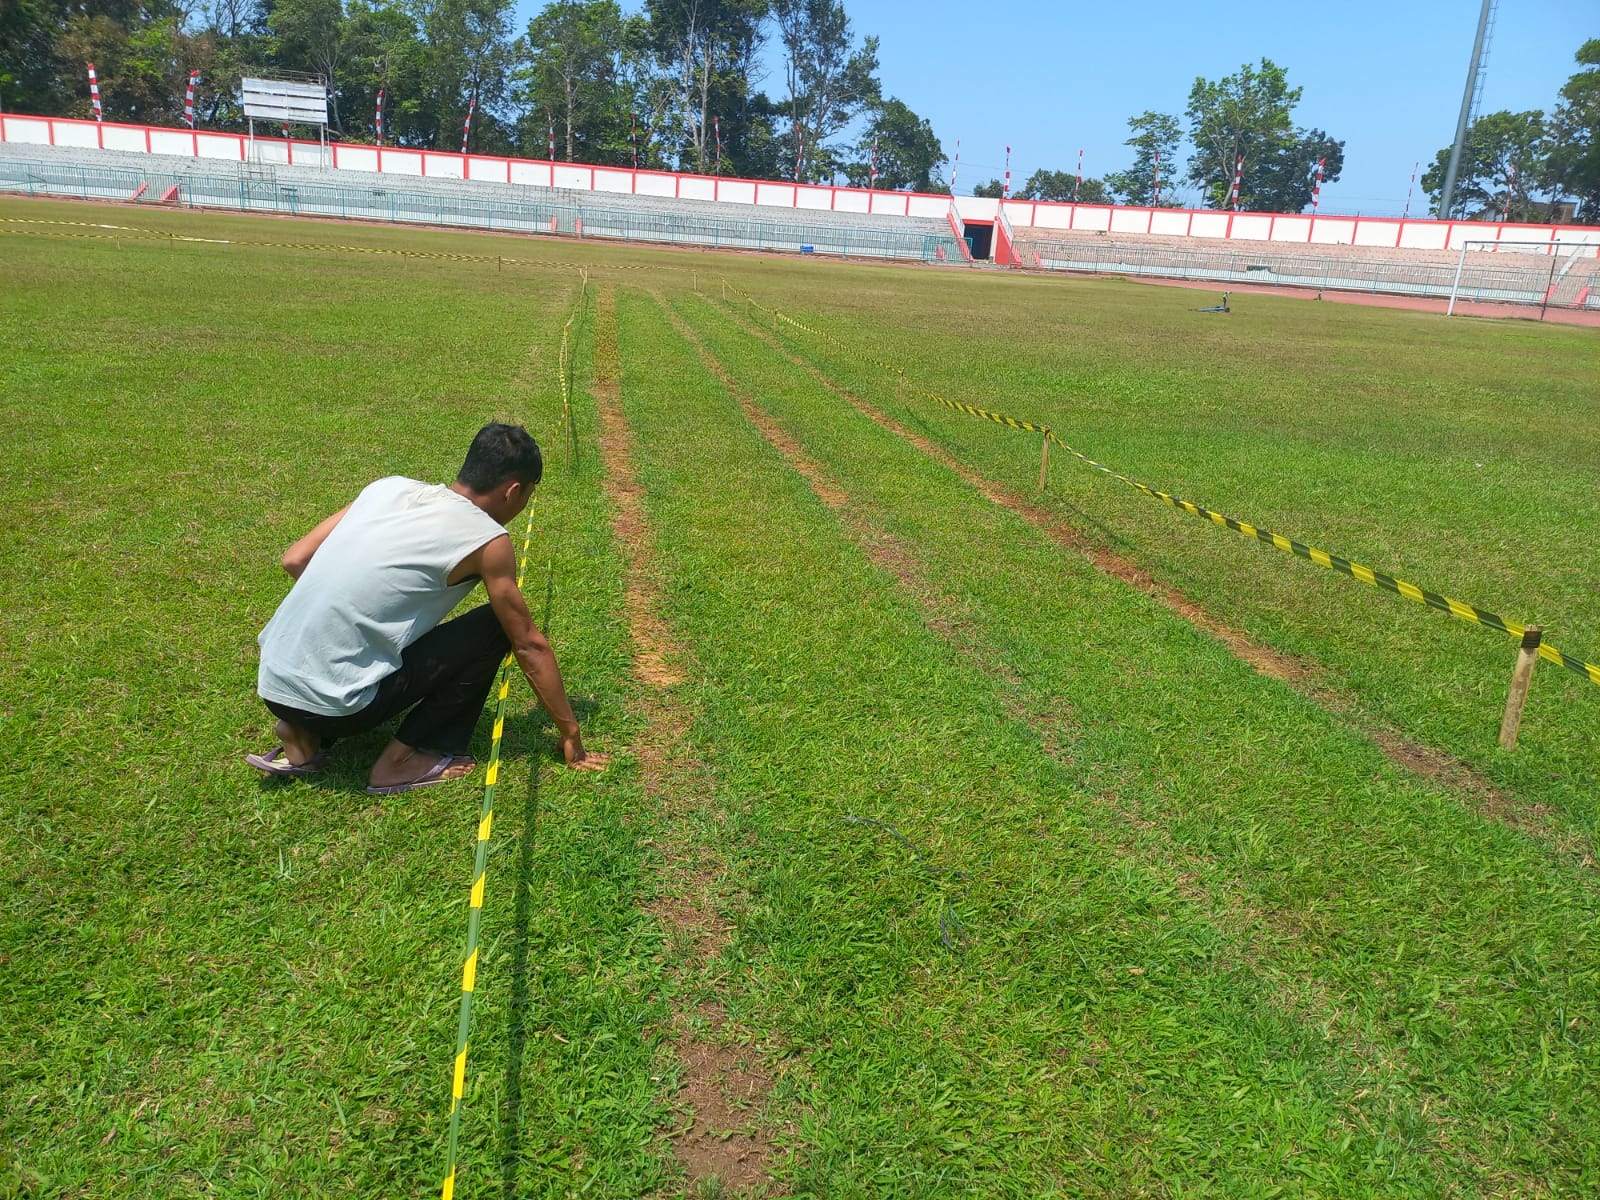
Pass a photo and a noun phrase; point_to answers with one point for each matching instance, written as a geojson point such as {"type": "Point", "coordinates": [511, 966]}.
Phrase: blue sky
{"type": "Point", "coordinates": [1047, 78]}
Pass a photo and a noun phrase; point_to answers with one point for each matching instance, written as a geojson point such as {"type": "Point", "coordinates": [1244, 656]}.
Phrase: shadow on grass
{"type": "Point", "coordinates": [352, 757]}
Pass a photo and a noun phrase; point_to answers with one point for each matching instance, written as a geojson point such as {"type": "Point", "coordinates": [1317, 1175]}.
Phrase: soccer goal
{"type": "Point", "coordinates": [1563, 273]}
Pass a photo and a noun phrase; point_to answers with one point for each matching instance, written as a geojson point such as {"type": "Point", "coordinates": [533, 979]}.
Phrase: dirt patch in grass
{"type": "Point", "coordinates": [1303, 675]}
{"type": "Point", "coordinates": [721, 1145]}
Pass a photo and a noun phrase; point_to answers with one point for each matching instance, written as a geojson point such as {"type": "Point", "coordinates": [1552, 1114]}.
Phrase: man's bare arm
{"type": "Point", "coordinates": [497, 565]}
{"type": "Point", "coordinates": [298, 556]}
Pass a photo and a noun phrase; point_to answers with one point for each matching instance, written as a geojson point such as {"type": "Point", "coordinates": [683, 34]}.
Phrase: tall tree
{"type": "Point", "coordinates": [1155, 158]}
{"type": "Point", "coordinates": [908, 154]}
{"type": "Point", "coordinates": [1500, 161]}
{"type": "Point", "coordinates": [308, 37]}
{"type": "Point", "coordinates": [708, 48]}
{"type": "Point", "coordinates": [384, 51]}
{"type": "Point", "coordinates": [573, 49]}
{"type": "Point", "coordinates": [1248, 116]}
{"type": "Point", "coordinates": [1573, 166]}
{"type": "Point", "coordinates": [466, 54]}
{"type": "Point", "coordinates": [1287, 179]}
{"type": "Point", "coordinates": [830, 81]}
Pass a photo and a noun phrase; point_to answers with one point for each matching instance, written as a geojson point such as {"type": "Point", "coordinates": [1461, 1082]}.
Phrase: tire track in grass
{"type": "Point", "coordinates": [719, 1085]}
{"type": "Point", "coordinates": [1385, 1076]}
{"type": "Point", "coordinates": [1499, 1048]}
{"type": "Point", "coordinates": [1305, 676]}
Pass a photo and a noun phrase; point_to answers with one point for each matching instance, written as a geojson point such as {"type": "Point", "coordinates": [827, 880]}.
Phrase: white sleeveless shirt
{"type": "Point", "coordinates": [373, 587]}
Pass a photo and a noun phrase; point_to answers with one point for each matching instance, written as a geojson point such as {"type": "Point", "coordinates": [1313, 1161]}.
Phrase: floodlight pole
{"type": "Point", "coordinates": [1447, 196]}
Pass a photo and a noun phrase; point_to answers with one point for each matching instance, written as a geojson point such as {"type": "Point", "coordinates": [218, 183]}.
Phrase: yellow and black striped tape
{"type": "Point", "coordinates": [1323, 558]}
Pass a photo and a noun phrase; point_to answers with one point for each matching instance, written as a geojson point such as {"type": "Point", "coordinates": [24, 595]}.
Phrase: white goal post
{"type": "Point", "coordinates": [1562, 255]}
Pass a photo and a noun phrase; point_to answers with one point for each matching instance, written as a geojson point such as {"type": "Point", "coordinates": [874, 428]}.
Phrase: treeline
{"type": "Point", "coordinates": [674, 86]}
{"type": "Point", "coordinates": [669, 87]}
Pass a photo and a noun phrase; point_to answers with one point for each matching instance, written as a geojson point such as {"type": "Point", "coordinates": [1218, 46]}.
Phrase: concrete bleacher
{"type": "Point", "coordinates": [308, 190]}
{"type": "Point", "coordinates": [1510, 275]}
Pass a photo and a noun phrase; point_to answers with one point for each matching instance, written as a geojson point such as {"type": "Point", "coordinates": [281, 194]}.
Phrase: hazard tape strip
{"type": "Point", "coordinates": [1323, 558]}
{"type": "Point", "coordinates": [480, 864]}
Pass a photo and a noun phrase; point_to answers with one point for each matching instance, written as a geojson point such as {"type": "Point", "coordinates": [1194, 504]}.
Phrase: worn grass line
{"type": "Point", "coordinates": [1275, 834]}
{"type": "Point", "coordinates": [1304, 675]}
{"type": "Point", "coordinates": [1383, 1081]}
{"type": "Point", "coordinates": [716, 1145]}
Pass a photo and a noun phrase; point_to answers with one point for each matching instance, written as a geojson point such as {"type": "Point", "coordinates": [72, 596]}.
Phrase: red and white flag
{"type": "Point", "coordinates": [955, 167]}
{"type": "Point", "coordinates": [1077, 187]}
{"type": "Point", "coordinates": [872, 177]}
{"type": "Point", "coordinates": [1316, 190]}
{"type": "Point", "coordinates": [377, 119]}
{"type": "Point", "coordinates": [188, 99]}
{"type": "Point", "coordinates": [1005, 193]}
{"type": "Point", "coordinates": [94, 93]}
{"type": "Point", "coordinates": [1238, 174]}
{"type": "Point", "coordinates": [466, 126]}
{"type": "Point", "coordinates": [551, 119]}
{"type": "Point", "coordinates": [1409, 188]}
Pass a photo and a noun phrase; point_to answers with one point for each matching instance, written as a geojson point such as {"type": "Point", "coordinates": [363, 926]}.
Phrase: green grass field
{"type": "Point", "coordinates": [1017, 883]}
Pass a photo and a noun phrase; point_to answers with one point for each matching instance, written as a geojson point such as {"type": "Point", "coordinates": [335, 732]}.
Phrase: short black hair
{"type": "Point", "coordinates": [499, 454]}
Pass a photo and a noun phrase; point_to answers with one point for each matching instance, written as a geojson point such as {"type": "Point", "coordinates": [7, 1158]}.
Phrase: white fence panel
{"type": "Point", "coordinates": [697, 187]}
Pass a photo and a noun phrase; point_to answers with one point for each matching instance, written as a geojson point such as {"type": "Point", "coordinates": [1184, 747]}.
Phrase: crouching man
{"type": "Point", "coordinates": [358, 640]}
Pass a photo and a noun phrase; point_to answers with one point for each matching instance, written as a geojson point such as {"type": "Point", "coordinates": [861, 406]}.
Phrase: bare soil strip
{"type": "Point", "coordinates": [1303, 675]}
{"type": "Point", "coordinates": [719, 1143]}
{"type": "Point", "coordinates": [1379, 1070]}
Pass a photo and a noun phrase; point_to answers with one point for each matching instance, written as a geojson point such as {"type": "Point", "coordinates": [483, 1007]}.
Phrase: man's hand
{"type": "Point", "coordinates": [580, 759]}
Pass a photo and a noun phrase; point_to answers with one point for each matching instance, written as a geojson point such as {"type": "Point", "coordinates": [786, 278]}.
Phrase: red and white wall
{"type": "Point", "coordinates": [1036, 215]}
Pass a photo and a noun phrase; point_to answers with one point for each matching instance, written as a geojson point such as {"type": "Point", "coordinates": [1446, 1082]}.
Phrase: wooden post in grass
{"type": "Point", "coordinates": [900, 387]}
{"type": "Point", "coordinates": [1044, 459]}
{"type": "Point", "coordinates": [1521, 677]}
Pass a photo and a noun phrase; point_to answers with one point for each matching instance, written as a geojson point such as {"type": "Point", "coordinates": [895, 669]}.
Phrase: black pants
{"type": "Point", "coordinates": [446, 674]}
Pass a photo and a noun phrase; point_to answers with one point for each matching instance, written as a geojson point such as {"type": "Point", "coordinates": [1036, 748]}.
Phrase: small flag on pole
{"type": "Point", "coordinates": [799, 154]}
{"type": "Point", "coordinates": [378, 119]}
{"type": "Point", "coordinates": [955, 167]}
{"type": "Point", "coordinates": [872, 178]}
{"type": "Point", "coordinates": [1005, 193]}
{"type": "Point", "coordinates": [1409, 188]}
{"type": "Point", "coordinates": [1316, 190]}
{"type": "Point", "coordinates": [466, 127]}
{"type": "Point", "coordinates": [1511, 189]}
{"type": "Point", "coordinates": [1238, 174]}
{"type": "Point", "coordinates": [94, 94]}
{"type": "Point", "coordinates": [1078, 186]}
{"type": "Point", "coordinates": [188, 99]}
{"type": "Point", "coordinates": [716, 126]}
{"type": "Point", "coordinates": [633, 136]}
{"type": "Point", "coordinates": [551, 119]}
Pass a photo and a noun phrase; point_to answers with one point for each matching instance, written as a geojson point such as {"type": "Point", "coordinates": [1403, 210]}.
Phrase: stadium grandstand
{"type": "Point", "coordinates": [1473, 261]}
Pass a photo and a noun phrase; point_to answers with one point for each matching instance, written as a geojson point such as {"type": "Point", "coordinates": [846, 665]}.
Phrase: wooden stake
{"type": "Point", "coordinates": [900, 388]}
{"type": "Point", "coordinates": [1521, 677]}
{"type": "Point", "coordinates": [1044, 459]}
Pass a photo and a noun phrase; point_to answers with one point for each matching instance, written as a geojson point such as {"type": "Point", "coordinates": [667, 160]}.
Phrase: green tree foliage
{"type": "Point", "coordinates": [1249, 115]}
{"type": "Point", "coordinates": [1155, 147]}
{"type": "Point", "coordinates": [308, 36]}
{"type": "Point", "coordinates": [1063, 186]}
{"type": "Point", "coordinates": [1502, 157]}
{"type": "Point", "coordinates": [909, 155]}
{"type": "Point", "coordinates": [707, 50]}
{"type": "Point", "coordinates": [1573, 165]}
{"type": "Point", "coordinates": [572, 56]}
{"type": "Point", "coordinates": [830, 81]}
{"type": "Point", "coordinates": [994, 189]}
